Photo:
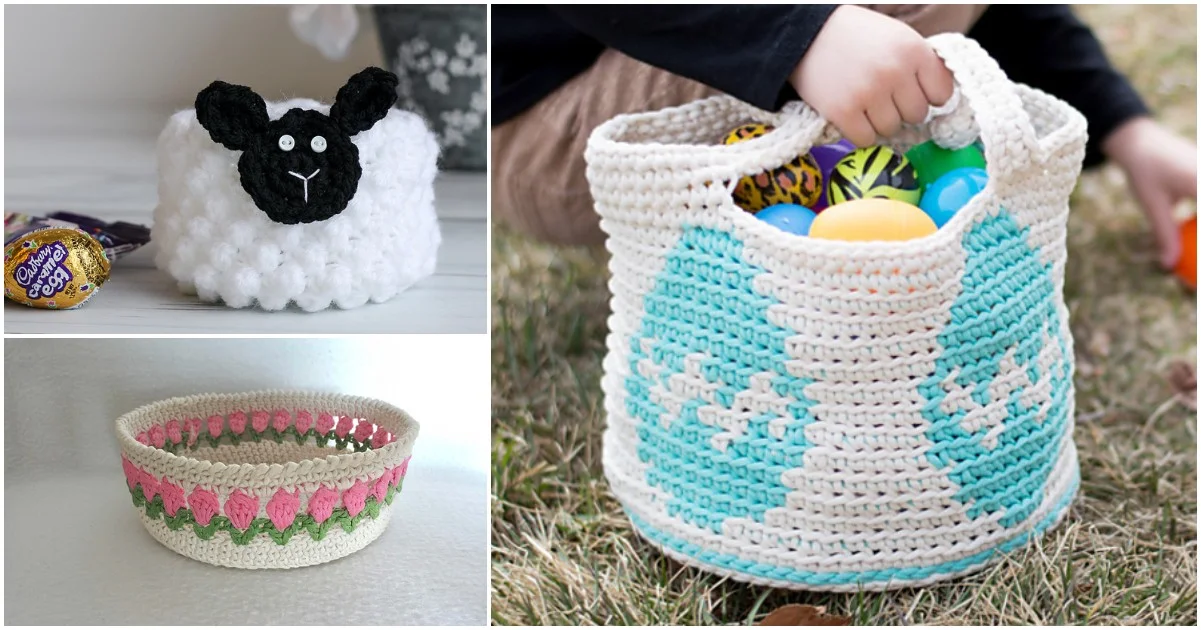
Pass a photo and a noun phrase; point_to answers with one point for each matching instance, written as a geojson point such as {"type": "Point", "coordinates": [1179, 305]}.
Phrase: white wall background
{"type": "Point", "coordinates": [157, 57]}
{"type": "Point", "coordinates": [62, 396]}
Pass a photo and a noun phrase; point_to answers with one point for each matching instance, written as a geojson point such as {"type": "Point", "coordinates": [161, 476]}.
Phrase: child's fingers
{"type": "Point", "coordinates": [911, 102]}
{"type": "Point", "coordinates": [1158, 207]}
{"type": "Point", "coordinates": [857, 128]}
{"type": "Point", "coordinates": [884, 117]}
{"type": "Point", "coordinates": [935, 80]}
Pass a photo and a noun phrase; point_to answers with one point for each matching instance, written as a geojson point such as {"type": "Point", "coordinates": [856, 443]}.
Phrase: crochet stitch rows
{"type": "Point", "coordinates": [839, 416]}
{"type": "Point", "coordinates": [231, 479]}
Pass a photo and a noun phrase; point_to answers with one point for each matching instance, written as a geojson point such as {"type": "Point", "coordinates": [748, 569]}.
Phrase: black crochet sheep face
{"type": "Point", "coordinates": [303, 167]}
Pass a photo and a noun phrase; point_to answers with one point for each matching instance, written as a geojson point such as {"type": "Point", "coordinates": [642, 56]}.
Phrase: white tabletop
{"type": "Point", "coordinates": [110, 174]}
{"type": "Point", "coordinates": [75, 553]}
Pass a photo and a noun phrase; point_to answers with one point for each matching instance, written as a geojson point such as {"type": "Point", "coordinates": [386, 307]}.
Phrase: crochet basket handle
{"type": "Point", "coordinates": [985, 104]}
{"type": "Point", "coordinates": [987, 101]}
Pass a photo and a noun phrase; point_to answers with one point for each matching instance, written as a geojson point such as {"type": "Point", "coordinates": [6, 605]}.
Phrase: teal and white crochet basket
{"type": "Point", "coordinates": [839, 416]}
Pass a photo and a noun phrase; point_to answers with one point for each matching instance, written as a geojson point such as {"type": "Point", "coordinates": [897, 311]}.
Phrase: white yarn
{"type": "Point", "coordinates": [219, 246]}
{"type": "Point", "coordinates": [860, 327]}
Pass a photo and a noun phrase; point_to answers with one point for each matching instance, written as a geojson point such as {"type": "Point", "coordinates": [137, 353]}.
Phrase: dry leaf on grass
{"type": "Point", "coordinates": [803, 615]}
{"type": "Point", "coordinates": [1183, 379]}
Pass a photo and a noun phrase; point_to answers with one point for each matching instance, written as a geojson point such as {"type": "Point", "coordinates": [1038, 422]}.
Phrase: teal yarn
{"type": "Point", "coordinates": [1006, 306]}
{"type": "Point", "coordinates": [919, 572]}
{"type": "Point", "coordinates": [704, 301]}
{"type": "Point", "coordinates": [703, 305]}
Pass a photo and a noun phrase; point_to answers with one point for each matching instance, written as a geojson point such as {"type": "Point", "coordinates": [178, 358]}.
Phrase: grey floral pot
{"type": "Point", "coordinates": [440, 54]}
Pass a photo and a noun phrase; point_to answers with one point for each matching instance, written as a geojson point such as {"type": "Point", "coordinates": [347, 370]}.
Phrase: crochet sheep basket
{"type": "Point", "coordinates": [828, 415]}
{"type": "Point", "coordinates": [265, 480]}
{"type": "Point", "coordinates": [297, 202]}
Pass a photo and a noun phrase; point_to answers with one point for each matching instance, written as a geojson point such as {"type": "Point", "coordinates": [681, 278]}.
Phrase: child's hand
{"type": "Point", "coordinates": [866, 72]}
{"type": "Point", "coordinates": [1161, 168]}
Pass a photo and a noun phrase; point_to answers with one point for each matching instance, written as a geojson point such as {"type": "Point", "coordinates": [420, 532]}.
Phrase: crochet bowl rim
{"type": "Point", "coordinates": [401, 445]}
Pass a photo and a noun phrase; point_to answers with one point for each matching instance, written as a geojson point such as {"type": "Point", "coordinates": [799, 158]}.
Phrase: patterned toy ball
{"type": "Point", "coordinates": [874, 172]}
{"type": "Point", "coordinates": [797, 182]}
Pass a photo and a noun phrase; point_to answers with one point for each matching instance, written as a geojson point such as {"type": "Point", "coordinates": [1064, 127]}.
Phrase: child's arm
{"type": "Point", "coordinates": [864, 72]}
{"type": "Point", "coordinates": [1046, 47]}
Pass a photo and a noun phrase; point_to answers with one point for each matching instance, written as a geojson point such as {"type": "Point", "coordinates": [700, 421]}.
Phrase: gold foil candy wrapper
{"type": "Point", "coordinates": [54, 268]}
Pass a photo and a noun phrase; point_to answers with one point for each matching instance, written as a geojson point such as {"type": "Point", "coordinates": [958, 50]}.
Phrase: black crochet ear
{"type": "Point", "coordinates": [232, 114]}
{"type": "Point", "coordinates": [364, 100]}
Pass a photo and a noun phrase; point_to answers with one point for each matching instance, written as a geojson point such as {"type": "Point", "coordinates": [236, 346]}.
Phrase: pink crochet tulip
{"type": "Point", "coordinates": [281, 420]}
{"type": "Point", "coordinates": [322, 503]}
{"type": "Point", "coordinates": [355, 498]}
{"type": "Point", "coordinates": [149, 485]}
{"type": "Point", "coordinates": [237, 422]}
{"type": "Point", "coordinates": [174, 434]}
{"type": "Point", "coordinates": [282, 507]}
{"type": "Point", "coordinates": [379, 489]}
{"type": "Point", "coordinates": [304, 422]}
{"type": "Point", "coordinates": [404, 468]}
{"type": "Point", "coordinates": [173, 498]}
{"type": "Point", "coordinates": [143, 439]}
{"type": "Point", "coordinates": [325, 423]}
{"type": "Point", "coordinates": [204, 505]}
{"type": "Point", "coordinates": [382, 437]}
{"type": "Point", "coordinates": [216, 424]}
{"type": "Point", "coordinates": [259, 420]}
{"type": "Point", "coordinates": [345, 423]}
{"type": "Point", "coordinates": [363, 431]}
{"type": "Point", "coordinates": [157, 436]}
{"type": "Point", "coordinates": [132, 474]}
{"type": "Point", "coordinates": [193, 425]}
{"type": "Point", "coordinates": [241, 508]}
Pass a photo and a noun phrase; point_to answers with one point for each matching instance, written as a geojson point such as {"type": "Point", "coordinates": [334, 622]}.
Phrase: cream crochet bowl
{"type": "Point", "coordinates": [265, 480]}
{"type": "Point", "coordinates": [218, 244]}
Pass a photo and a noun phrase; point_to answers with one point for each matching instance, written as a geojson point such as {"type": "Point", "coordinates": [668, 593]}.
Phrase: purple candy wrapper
{"type": "Point", "coordinates": [118, 238]}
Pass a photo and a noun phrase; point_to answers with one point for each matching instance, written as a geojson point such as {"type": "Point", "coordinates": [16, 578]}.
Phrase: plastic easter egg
{"type": "Point", "coordinates": [746, 132]}
{"type": "Point", "coordinates": [797, 182]}
{"type": "Point", "coordinates": [1186, 267]}
{"type": "Point", "coordinates": [951, 192]}
{"type": "Point", "coordinates": [827, 156]}
{"type": "Point", "coordinates": [932, 161]}
{"type": "Point", "coordinates": [788, 217]}
{"type": "Point", "coordinates": [872, 220]}
{"type": "Point", "coordinates": [874, 172]}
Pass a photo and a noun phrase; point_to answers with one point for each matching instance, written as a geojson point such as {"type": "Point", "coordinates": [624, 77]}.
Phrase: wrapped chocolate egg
{"type": "Point", "coordinates": [54, 268]}
{"type": "Point", "coordinates": [797, 182]}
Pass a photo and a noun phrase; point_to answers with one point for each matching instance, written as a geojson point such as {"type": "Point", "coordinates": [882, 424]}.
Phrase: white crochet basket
{"type": "Point", "coordinates": [265, 480]}
{"type": "Point", "coordinates": [217, 244]}
{"type": "Point", "coordinates": [828, 415]}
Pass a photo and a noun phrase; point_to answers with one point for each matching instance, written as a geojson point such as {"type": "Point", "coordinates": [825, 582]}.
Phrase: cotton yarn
{"type": "Point", "coordinates": [270, 479]}
{"type": "Point", "coordinates": [839, 416]}
{"type": "Point", "coordinates": [217, 244]}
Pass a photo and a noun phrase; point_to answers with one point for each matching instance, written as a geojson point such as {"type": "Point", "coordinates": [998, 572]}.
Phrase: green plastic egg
{"type": "Point", "coordinates": [932, 161]}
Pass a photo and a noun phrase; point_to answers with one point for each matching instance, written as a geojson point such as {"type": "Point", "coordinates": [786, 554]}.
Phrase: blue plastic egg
{"type": "Point", "coordinates": [788, 217]}
{"type": "Point", "coordinates": [951, 192]}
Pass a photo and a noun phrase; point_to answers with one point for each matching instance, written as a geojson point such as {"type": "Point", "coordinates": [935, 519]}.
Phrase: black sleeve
{"type": "Point", "coordinates": [1047, 47]}
{"type": "Point", "coordinates": [746, 51]}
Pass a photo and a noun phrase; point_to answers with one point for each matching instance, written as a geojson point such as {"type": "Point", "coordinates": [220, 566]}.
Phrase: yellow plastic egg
{"type": "Point", "coordinates": [874, 219]}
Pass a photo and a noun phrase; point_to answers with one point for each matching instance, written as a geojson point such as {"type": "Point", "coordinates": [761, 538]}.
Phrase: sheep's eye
{"type": "Point", "coordinates": [286, 142]}
{"type": "Point", "coordinates": [318, 144]}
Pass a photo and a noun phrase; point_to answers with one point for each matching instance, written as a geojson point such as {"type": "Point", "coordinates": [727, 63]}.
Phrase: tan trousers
{"type": "Point", "coordinates": [538, 182]}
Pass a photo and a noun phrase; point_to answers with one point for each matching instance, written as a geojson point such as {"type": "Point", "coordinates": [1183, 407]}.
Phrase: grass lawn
{"type": "Point", "coordinates": [563, 552]}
